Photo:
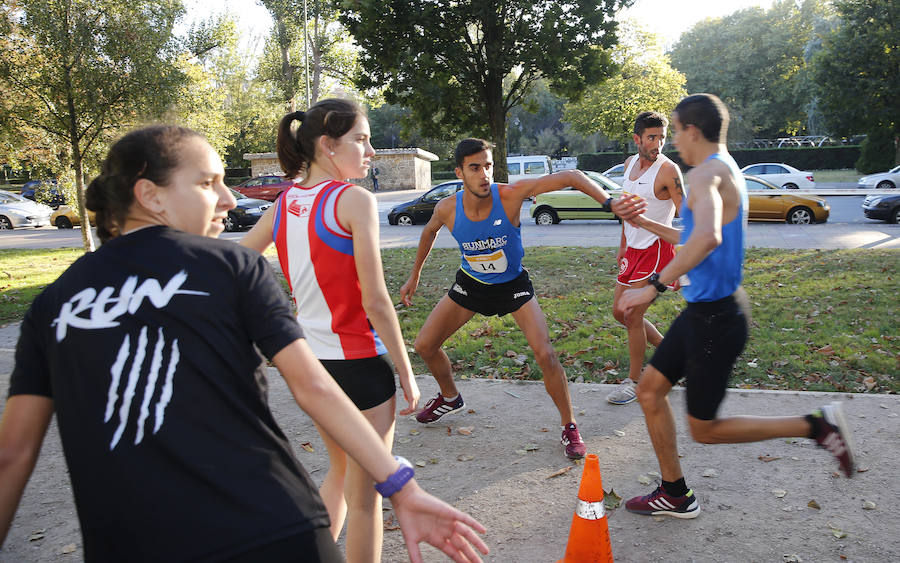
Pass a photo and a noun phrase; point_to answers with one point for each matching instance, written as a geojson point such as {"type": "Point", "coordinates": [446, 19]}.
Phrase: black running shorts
{"type": "Point", "coordinates": [367, 381]}
{"type": "Point", "coordinates": [491, 298]}
{"type": "Point", "coordinates": [701, 346]}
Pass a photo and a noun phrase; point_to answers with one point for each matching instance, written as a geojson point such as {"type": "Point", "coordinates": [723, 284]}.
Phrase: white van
{"type": "Point", "coordinates": [533, 166]}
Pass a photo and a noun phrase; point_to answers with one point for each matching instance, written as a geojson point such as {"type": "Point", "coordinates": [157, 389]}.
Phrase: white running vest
{"type": "Point", "coordinates": [660, 210]}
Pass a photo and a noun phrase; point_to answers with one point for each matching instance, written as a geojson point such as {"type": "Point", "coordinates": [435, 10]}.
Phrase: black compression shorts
{"type": "Point", "coordinates": [702, 345]}
{"type": "Point", "coordinates": [367, 381]}
{"type": "Point", "coordinates": [491, 298]}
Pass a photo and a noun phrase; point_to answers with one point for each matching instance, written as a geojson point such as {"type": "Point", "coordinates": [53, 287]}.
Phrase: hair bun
{"type": "Point", "coordinates": [298, 116]}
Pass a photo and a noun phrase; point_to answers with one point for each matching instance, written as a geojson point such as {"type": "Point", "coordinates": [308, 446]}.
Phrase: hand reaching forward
{"type": "Point", "coordinates": [423, 517]}
{"type": "Point", "coordinates": [408, 289]}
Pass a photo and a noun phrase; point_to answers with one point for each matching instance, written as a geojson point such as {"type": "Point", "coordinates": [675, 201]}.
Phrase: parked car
{"type": "Point", "coordinates": [532, 166]}
{"type": "Point", "coordinates": [884, 207]}
{"type": "Point", "coordinates": [568, 203]}
{"type": "Point", "coordinates": [264, 187]}
{"type": "Point", "coordinates": [768, 202]}
{"type": "Point", "coordinates": [65, 217]}
{"type": "Point", "coordinates": [17, 212]}
{"type": "Point", "coordinates": [616, 173]}
{"type": "Point", "coordinates": [782, 175]}
{"type": "Point", "coordinates": [882, 181]}
{"type": "Point", "coordinates": [53, 197]}
{"type": "Point", "coordinates": [246, 213]}
{"type": "Point", "coordinates": [421, 209]}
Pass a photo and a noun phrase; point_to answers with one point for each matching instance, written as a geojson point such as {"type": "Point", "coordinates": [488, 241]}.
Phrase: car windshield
{"type": "Point", "coordinates": [237, 194]}
{"type": "Point", "coordinates": [7, 197]}
{"type": "Point", "coordinates": [894, 170]}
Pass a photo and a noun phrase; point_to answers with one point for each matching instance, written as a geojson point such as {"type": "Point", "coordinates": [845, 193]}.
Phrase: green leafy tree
{"type": "Point", "coordinates": [756, 61]}
{"type": "Point", "coordinates": [645, 82]}
{"type": "Point", "coordinates": [462, 65]}
{"type": "Point", "coordinates": [857, 72]}
{"type": "Point", "coordinates": [91, 67]}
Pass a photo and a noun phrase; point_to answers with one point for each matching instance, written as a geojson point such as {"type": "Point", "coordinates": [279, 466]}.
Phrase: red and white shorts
{"type": "Point", "coordinates": [638, 263]}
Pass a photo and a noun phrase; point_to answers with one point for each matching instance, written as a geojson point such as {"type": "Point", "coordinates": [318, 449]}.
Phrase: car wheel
{"type": "Point", "coordinates": [885, 185]}
{"type": "Point", "coordinates": [229, 223]}
{"type": "Point", "coordinates": [63, 222]}
{"type": "Point", "coordinates": [800, 216]}
{"type": "Point", "coordinates": [545, 217]}
{"type": "Point", "coordinates": [5, 224]}
{"type": "Point", "coordinates": [404, 219]}
{"type": "Point", "coordinates": [790, 186]}
{"type": "Point", "coordinates": [895, 215]}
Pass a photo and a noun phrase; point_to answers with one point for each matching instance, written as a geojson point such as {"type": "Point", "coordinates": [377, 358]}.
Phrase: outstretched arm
{"type": "Point", "coordinates": [426, 242]}
{"type": "Point", "coordinates": [531, 187]}
{"type": "Point", "coordinates": [422, 517]}
{"type": "Point", "coordinates": [22, 430]}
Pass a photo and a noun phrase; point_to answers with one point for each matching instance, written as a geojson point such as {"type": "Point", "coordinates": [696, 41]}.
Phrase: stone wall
{"type": "Point", "coordinates": [398, 169]}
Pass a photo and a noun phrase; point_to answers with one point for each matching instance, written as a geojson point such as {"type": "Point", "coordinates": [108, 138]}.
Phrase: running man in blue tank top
{"type": "Point", "coordinates": [484, 219]}
{"type": "Point", "coordinates": [705, 340]}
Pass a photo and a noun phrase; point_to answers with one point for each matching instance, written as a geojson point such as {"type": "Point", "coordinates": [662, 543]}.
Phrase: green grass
{"type": "Point", "coordinates": [822, 320]}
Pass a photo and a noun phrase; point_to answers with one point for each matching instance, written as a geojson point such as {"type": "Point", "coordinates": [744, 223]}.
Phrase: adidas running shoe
{"type": "Point", "coordinates": [833, 434]}
{"type": "Point", "coordinates": [437, 407]}
{"type": "Point", "coordinates": [660, 503]}
{"type": "Point", "coordinates": [571, 439]}
{"type": "Point", "coordinates": [623, 394]}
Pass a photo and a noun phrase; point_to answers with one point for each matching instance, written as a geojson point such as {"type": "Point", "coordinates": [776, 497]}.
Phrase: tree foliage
{"type": "Point", "coordinates": [83, 69]}
{"type": "Point", "coordinates": [756, 61]}
{"type": "Point", "coordinates": [447, 60]}
{"type": "Point", "coordinates": [645, 82]}
{"type": "Point", "coordinates": [857, 72]}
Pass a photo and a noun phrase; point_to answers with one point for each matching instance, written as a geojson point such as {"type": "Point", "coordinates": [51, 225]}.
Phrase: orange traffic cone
{"type": "Point", "coordinates": [589, 536]}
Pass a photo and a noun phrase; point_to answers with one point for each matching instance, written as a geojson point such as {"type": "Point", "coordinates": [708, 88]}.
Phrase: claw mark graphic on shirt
{"type": "Point", "coordinates": [137, 357]}
{"type": "Point", "coordinates": [131, 296]}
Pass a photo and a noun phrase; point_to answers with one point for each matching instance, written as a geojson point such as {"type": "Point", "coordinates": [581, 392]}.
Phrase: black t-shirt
{"type": "Point", "coordinates": [147, 349]}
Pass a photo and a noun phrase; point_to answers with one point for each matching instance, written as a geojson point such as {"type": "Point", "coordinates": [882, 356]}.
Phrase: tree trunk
{"type": "Point", "coordinates": [75, 144]}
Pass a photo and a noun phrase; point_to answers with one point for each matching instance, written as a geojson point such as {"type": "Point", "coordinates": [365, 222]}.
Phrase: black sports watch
{"type": "Point", "coordinates": [397, 479]}
{"type": "Point", "coordinates": [654, 281]}
{"type": "Point", "coordinates": [607, 205]}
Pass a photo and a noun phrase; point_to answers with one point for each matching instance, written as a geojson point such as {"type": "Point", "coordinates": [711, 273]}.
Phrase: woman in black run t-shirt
{"type": "Point", "coordinates": [146, 351]}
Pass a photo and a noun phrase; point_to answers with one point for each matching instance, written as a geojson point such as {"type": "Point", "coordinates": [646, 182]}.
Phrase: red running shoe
{"type": "Point", "coordinates": [660, 503]}
{"type": "Point", "coordinates": [571, 439]}
{"type": "Point", "coordinates": [437, 407]}
{"type": "Point", "coordinates": [833, 434]}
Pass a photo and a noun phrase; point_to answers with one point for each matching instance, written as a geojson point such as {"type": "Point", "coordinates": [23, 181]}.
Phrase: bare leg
{"type": "Point", "coordinates": [446, 318]}
{"type": "Point", "coordinates": [739, 429]}
{"type": "Point", "coordinates": [332, 488]}
{"type": "Point", "coordinates": [652, 392]}
{"type": "Point", "coordinates": [365, 527]}
{"type": "Point", "coordinates": [531, 320]}
{"type": "Point", "coordinates": [640, 331]}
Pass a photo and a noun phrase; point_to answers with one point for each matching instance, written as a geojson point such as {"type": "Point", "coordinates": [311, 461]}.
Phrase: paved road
{"type": "Point", "coordinates": [846, 228]}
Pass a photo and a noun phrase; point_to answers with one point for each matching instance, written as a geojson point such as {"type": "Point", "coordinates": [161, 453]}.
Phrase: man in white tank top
{"type": "Point", "coordinates": [655, 178]}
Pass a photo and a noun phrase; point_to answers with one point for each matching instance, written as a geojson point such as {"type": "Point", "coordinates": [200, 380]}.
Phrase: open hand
{"type": "Point", "coordinates": [407, 290]}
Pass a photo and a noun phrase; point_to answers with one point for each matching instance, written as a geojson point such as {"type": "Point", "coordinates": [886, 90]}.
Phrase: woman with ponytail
{"type": "Point", "coordinates": [326, 232]}
{"type": "Point", "coordinates": [149, 353]}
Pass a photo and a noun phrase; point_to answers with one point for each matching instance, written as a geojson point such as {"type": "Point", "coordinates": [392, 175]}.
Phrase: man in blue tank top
{"type": "Point", "coordinates": [484, 219]}
{"type": "Point", "coordinates": [705, 340]}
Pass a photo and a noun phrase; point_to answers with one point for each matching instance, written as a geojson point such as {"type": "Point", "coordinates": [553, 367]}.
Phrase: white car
{"type": "Point", "coordinates": [17, 212]}
{"type": "Point", "coordinates": [616, 173]}
{"type": "Point", "coordinates": [882, 181]}
{"type": "Point", "coordinates": [782, 175]}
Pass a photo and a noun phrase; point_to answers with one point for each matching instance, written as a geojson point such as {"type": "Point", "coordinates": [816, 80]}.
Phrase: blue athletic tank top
{"type": "Point", "coordinates": [492, 248]}
{"type": "Point", "coordinates": [720, 273]}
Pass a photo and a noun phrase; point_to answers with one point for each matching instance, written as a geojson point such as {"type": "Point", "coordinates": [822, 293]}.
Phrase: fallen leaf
{"type": "Point", "coordinates": [562, 471]}
{"type": "Point", "coordinates": [611, 500]}
{"type": "Point", "coordinates": [391, 524]}
{"type": "Point", "coordinates": [510, 354]}
{"type": "Point", "coordinates": [68, 548]}
{"type": "Point", "coordinates": [868, 505]}
{"type": "Point", "coordinates": [421, 463]}
{"type": "Point", "coordinates": [521, 452]}
{"type": "Point", "coordinates": [644, 480]}
{"type": "Point", "coordinates": [814, 504]}
{"type": "Point", "coordinates": [779, 493]}
{"type": "Point", "coordinates": [545, 430]}
{"type": "Point", "coordinates": [404, 440]}
{"type": "Point", "coordinates": [710, 473]}
{"type": "Point", "coordinates": [465, 457]}
{"type": "Point", "coordinates": [449, 431]}
{"type": "Point", "coordinates": [307, 446]}
{"type": "Point", "coordinates": [619, 432]}
{"type": "Point", "coordinates": [826, 350]}
{"type": "Point", "coordinates": [414, 432]}
{"type": "Point", "coordinates": [433, 461]}
{"type": "Point", "coordinates": [37, 535]}
{"type": "Point", "coordinates": [837, 532]}
{"type": "Point", "coordinates": [792, 558]}
{"type": "Point", "coordinates": [869, 382]}
{"type": "Point", "coordinates": [465, 430]}
{"type": "Point", "coordinates": [471, 411]}
{"type": "Point", "coordinates": [531, 447]}
{"type": "Point", "coordinates": [768, 458]}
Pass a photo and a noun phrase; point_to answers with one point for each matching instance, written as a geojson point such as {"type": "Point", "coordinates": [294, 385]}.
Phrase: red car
{"type": "Point", "coordinates": [263, 187]}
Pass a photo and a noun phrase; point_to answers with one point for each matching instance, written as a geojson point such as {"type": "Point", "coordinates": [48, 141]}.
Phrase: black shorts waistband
{"type": "Point", "coordinates": [735, 301]}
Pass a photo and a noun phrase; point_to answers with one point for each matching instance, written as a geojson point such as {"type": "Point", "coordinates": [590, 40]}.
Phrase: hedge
{"type": "Point", "coordinates": [807, 158]}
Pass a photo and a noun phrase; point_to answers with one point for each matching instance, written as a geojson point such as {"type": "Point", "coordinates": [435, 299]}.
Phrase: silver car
{"type": "Point", "coordinates": [17, 212]}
